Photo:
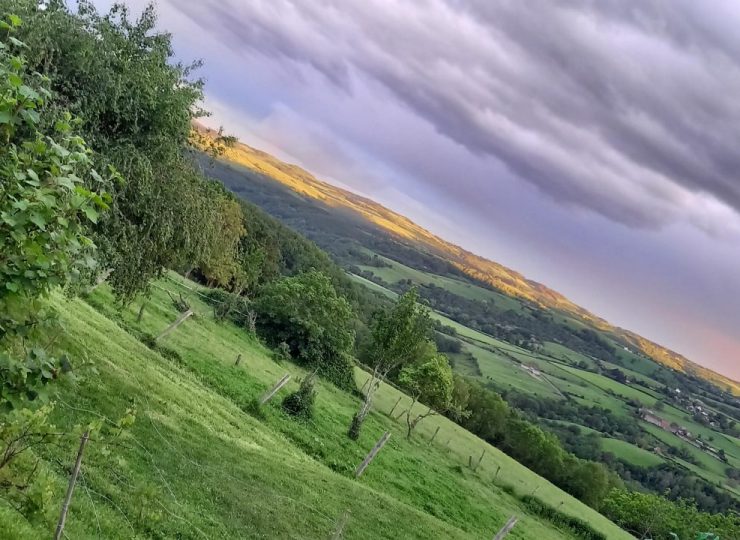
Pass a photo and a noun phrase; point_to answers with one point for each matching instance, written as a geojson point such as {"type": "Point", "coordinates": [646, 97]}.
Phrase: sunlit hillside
{"type": "Point", "coordinates": [502, 278]}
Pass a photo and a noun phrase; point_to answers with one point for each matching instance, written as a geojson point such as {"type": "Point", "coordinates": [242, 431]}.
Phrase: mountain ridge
{"type": "Point", "coordinates": [508, 281]}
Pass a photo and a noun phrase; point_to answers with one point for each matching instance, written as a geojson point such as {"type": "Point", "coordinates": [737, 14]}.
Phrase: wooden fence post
{"type": "Point", "coordinates": [175, 324]}
{"type": "Point", "coordinates": [282, 382]}
{"type": "Point", "coordinates": [341, 523]}
{"type": "Point", "coordinates": [238, 359]}
{"type": "Point", "coordinates": [479, 460]}
{"type": "Point", "coordinates": [435, 434]}
{"type": "Point", "coordinates": [394, 406]}
{"type": "Point", "coordinates": [140, 316]}
{"type": "Point", "coordinates": [371, 456]}
{"type": "Point", "coordinates": [506, 529]}
{"type": "Point", "coordinates": [71, 486]}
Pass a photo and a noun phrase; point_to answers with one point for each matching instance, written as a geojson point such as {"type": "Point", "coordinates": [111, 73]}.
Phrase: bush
{"type": "Point", "coordinates": [301, 402]}
{"type": "Point", "coordinates": [281, 353]}
{"type": "Point", "coordinates": [578, 527]}
{"type": "Point", "coordinates": [306, 312]}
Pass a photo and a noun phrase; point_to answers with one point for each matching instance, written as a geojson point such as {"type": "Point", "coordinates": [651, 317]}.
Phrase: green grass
{"type": "Point", "coordinates": [494, 359]}
{"type": "Point", "coordinates": [712, 469]}
{"type": "Point", "coordinates": [505, 374]}
{"type": "Point", "coordinates": [615, 387]}
{"type": "Point", "coordinates": [399, 271]}
{"type": "Point", "coordinates": [630, 453]}
{"type": "Point", "coordinates": [211, 470]}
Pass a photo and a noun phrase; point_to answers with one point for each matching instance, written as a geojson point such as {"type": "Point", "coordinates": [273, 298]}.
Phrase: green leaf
{"type": "Point", "coordinates": [12, 286]}
{"type": "Point", "coordinates": [91, 213]}
{"type": "Point", "coordinates": [38, 220]}
{"type": "Point", "coordinates": [21, 204]}
{"type": "Point", "coordinates": [14, 80]}
{"type": "Point", "coordinates": [17, 42]}
{"type": "Point", "coordinates": [29, 93]}
{"type": "Point", "coordinates": [15, 20]}
{"type": "Point", "coordinates": [30, 116]}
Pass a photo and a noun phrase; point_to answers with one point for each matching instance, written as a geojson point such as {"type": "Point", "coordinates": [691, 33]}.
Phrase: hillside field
{"type": "Point", "coordinates": [196, 465]}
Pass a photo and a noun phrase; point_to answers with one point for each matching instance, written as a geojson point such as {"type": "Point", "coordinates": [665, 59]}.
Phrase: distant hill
{"type": "Point", "coordinates": [503, 279]}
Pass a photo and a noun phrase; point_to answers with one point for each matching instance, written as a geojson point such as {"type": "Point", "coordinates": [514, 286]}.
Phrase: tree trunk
{"type": "Point", "coordinates": [141, 311]}
{"type": "Point", "coordinates": [359, 418]}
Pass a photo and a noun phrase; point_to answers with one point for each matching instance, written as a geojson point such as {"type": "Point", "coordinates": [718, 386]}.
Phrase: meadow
{"type": "Point", "coordinates": [201, 462]}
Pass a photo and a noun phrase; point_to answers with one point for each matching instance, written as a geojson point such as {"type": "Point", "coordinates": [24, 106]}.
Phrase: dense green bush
{"type": "Point", "coordinates": [45, 211]}
{"type": "Point", "coordinates": [578, 527]}
{"type": "Point", "coordinates": [306, 312]}
{"type": "Point", "coordinates": [301, 402]}
{"type": "Point", "coordinates": [645, 514]}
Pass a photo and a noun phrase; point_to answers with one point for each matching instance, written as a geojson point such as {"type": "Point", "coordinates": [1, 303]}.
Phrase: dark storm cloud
{"type": "Point", "coordinates": [626, 108]}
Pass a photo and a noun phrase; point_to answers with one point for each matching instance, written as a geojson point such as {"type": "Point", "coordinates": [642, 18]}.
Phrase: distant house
{"type": "Point", "coordinates": [651, 418]}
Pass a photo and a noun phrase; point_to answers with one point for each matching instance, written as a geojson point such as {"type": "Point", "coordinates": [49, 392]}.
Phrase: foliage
{"type": "Point", "coordinates": [431, 383]}
{"type": "Point", "coordinates": [306, 312]}
{"type": "Point", "coordinates": [301, 402]}
{"type": "Point", "coordinates": [579, 527]}
{"type": "Point", "coordinates": [400, 336]}
{"type": "Point", "coordinates": [646, 514]}
{"type": "Point", "coordinates": [281, 353]}
{"type": "Point", "coordinates": [136, 105]}
{"type": "Point", "coordinates": [491, 419]}
{"type": "Point", "coordinates": [220, 265]}
{"type": "Point", "coordinates": [26, 379]}
{"type": "Point", "coordinates": [27, 488]}
{"type": "Point", "coordinates": [45, 210]}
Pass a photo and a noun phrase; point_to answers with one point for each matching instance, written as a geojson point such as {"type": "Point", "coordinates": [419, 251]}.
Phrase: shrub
{"type": "Point", "coordinates": [45, 215]}
{"type": "Point", "coordinates": [306, 312]}
{"type": "Point", "coordinates": [281, 353]}
{"type": "Point", "coordinates": [577, 526]}
{"type": "Point", "coordinates": [301, 402]}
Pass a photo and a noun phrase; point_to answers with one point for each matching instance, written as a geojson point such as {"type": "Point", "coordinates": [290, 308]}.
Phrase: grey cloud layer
{"type": "Point", "coordinates": [626, 108]}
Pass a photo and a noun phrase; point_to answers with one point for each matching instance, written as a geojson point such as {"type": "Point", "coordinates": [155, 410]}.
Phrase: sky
{"type": "Point", "coordinates": [593, 145]}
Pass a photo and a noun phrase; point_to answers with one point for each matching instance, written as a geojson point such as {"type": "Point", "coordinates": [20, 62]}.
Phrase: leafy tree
{"type": "Point", "coordinates": [136, 105]}
{"type": "Point", "coordinates": [429, 382]}
{"type": "Point", "coordinates": [220, 264]}
{"type": "Point", "coordinates": [45, 210]}
{"type": "Point", "coordinates": [648, 515]}
{"type": "Point", "coordinates": [400, 336]}
{"type": "Point", "coordinates": [306, 312]}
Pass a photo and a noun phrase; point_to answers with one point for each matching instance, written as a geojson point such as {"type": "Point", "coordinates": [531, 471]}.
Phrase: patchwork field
{"type": "Point", "coordinates": [560, 375]}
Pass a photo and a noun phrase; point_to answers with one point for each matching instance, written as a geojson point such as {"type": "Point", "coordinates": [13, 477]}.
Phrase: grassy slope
{"type": "Point", "coordinates": [630, 453]}
{"type": "Point", "coordinates": [210, 470]}
{"type": "Point", "coordinates": [590, 388]}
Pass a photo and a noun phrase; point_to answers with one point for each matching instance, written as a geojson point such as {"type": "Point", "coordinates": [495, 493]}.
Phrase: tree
{"type": "Point", "coordinates": [136, 106]}
{"type": "Point", "coordinates": [399, 336]}
{"type": "Point", "coordinates": [430, 383]}
{"type": "Point", "coordinates": [306, 313]}
{"type": "Point", "coordinates": [45, 212]}
{"type": "Point", "coordinates": [220, 264]}
{"type": "Point", "coordinates": [647, 515]}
